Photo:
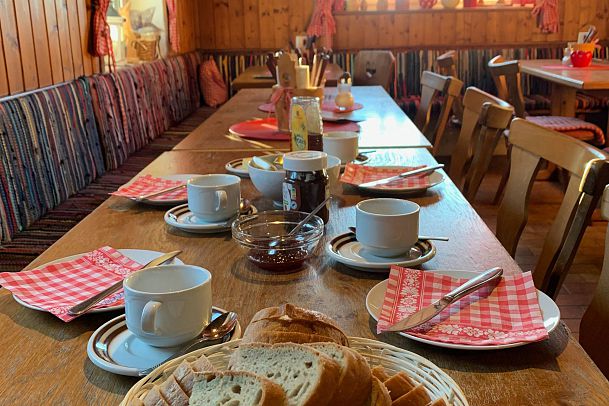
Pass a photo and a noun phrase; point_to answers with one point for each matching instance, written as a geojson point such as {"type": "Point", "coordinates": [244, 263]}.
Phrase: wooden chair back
{"type": "Point", "coordinates": [446, 65]}
{"type": "Point", "coordinates": [485, 117]}
{"type": "Point", "coordinates": [594, 327]}
{"type": "Point", "coordinates": [506, 75]}
{"type": "Point", "coordinates": [432, 85]}
{"type": "Point", "coordinates": [374, 68]}
{"type": "Point", "coordinates": [531, 146]}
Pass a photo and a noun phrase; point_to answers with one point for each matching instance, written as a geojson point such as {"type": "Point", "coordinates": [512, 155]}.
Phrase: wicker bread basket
{"type": "Point", "coordinates": [394, 359]}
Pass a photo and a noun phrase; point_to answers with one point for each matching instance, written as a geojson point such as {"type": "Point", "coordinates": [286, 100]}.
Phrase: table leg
{"type": "Point", "coordinates": [563, 100]}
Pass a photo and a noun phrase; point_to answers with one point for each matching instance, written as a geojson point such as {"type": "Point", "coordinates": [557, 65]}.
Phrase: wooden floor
{"type": "Point", "coordinates": [579, 286]}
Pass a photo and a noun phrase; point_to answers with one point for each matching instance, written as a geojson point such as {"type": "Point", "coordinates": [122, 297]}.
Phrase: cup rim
{"type": "Point", "coordinates": [135, 274]}
{"type": "Point", "coordinates": [235, 180]}
{"type": "Point", "coordinates": [348, 135]}
{"type": "Point", "coordinates": [417, 207]}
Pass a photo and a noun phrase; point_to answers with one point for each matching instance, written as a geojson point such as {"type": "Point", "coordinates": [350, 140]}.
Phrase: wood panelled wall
{"type": "Point", "coordinates": [44, 42]}
{"type": "Point", "coordinates": [267, 24]}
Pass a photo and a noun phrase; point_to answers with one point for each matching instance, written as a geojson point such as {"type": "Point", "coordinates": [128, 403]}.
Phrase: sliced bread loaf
{"type": "Point", "coordinates": [355, 377]}
{"type": "Point", "coordinates": [399, 384]}
{"type": "Point", "coordinates": [380, 372]}
{"type": "Point", "coordinates": [379, 395]}
{"type": "Point", "coordinates": [184, 373]}
{"type": "Point", "coordinates": [308, 377]}
{"type": "Point", "coordinates": [154, 397]}
{"type": "Point", "coordinates": [235, 388]}
{"type": "Point", "coordinates": [416, 397]}
{"type": "Point", "coordinates": [293, 319]}
{"type": "Point", "coordinates": [173, 393]}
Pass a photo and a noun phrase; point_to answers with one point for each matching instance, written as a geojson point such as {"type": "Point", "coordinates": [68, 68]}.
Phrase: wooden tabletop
{"type": "Point", "coordinates": [385, 124]}
{"type": "Point", "coordinates": [45, 359]}
{"type": "Point", "coordinates": [259, 77]}
{"type": "Point", "coordinates": [595, 77]}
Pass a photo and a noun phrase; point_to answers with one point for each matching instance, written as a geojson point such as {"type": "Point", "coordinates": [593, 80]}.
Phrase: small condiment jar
{"type": "Point", "coordinates": [306, 182]}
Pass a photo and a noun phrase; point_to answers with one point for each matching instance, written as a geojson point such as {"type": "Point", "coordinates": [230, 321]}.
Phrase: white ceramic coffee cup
{"type": "Point", "coordinates": [342, 144]}
{"type": "Point", "coordinates": [387, 227]}
{"type": "Point", "coordinates": [214, 197]}
{"type": "Point", "coordinates": [168, 305]}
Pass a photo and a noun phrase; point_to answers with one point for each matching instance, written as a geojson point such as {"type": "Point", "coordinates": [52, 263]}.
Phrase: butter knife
{"type": "Point", "coordinates": [82, 307]}
{"type": "Point", "coordinates": [160, 192]}
{"type": "Point", "coordinates": [419, 171]}
{"type": "Point", "coordinates": [429, 312]}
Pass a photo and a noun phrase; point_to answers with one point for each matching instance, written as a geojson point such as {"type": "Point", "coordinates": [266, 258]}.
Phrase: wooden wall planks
{"type": "Point", "coordinates": [45, 42]}
{"type": "Point", "coordinates": [268, 24]}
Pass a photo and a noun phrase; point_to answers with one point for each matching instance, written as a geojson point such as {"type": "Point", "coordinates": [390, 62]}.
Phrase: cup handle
{"type": "Point", "coordinates": [222, 199]}
{"type": "Point", "coordinates": [149, 316]}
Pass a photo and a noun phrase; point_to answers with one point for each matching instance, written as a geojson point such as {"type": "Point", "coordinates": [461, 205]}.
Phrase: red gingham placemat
{"type": "Point", "coordinates": [149, 184]}
{"type": "Point", "coordinates": [508, 313]}
{"type": "Point", "coordinates": [357, 174]}
{"type": "Point", "coordinates": [266, 129]}
{"type": "Point", "coordinates": [326, 106]}
{"type": "Point", "coordinates": [58, 287]}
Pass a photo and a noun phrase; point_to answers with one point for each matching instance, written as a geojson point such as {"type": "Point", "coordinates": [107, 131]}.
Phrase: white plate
{"type": "Point", "coordinates": [238, 167]}
{"type": "Point", "coordinates": [182, 178]}
{"type": "Point", "coordinates": [549, 311]}
{"type": "Point", "coordinates": [435, 178]}
{"type": "Point", "coordinates": [187, 221]}
{"type": "Point", "coordinates": [141, 256]}
{"type": "Point", "coordinates": [345, 249]}
{"type": "Point", "coordinates": [115, 349]}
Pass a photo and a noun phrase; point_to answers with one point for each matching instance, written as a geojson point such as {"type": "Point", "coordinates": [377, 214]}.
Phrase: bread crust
{"type": "Point", "coordinates": [399, 385]}
{"type": "Point", "coordinates": [272, 393]}
{"type": "Point", "coordinates": [329, 372]}
{"type": "Point", "coordinates": [290, 318]}
{"type": "Point", "coordinates": [355, 381]}
{"type": "Point", "coordinates": [379, 395]}
{"type": "Point", "coordinates": [276, 337]}
{"type": "Point", "coordinates": [380, 372]}
{"type": "Point", "coordinates": [416, 397]}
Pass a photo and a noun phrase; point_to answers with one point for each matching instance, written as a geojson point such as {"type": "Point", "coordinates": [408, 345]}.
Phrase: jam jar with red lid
{"type": "Point", "coordinates": [306, 182]}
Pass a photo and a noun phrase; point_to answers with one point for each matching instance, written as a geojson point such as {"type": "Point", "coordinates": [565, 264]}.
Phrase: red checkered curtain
{"type": "Point", "coordinates": [102, 43]}
{"type": "Point", "coordinates": [174, 38]}
{"type": "Point", "coordinates": [322, 21]}
{"type": "Point", "coordinates": [547, 15]}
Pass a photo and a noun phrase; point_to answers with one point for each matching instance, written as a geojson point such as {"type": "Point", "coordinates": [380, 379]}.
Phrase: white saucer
{"type": "Point", "coordinates": [173, 202]}
{"type": "Point", "coordinates": [345, 249]}
{"type": "Point", "coordinates": [115, 349]}
{"type": "Point", "coordinates": [238, 167]}
{"type": "Point", "coordinates": [185, 220]}
{"type": "Point", "coordinates": [435, 178]}
{"type": "Point", "coordinates": [141, 256]}
{"type": "Point", "coordinates": [549, 311]}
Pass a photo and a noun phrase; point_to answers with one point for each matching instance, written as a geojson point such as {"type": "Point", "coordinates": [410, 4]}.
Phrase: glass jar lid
{"type": "Point", "coordinates": [305, 161]}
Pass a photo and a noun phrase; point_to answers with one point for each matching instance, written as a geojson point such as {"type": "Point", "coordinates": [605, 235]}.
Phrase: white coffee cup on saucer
{"type": "Point", "coordinates": [168, 305]}
{"type": "Point", "coordinates": [342, 144]}
{"type": "Point", "coordinates": [214, 197]}
{"type": "Point", "coordinates": [387, 227]}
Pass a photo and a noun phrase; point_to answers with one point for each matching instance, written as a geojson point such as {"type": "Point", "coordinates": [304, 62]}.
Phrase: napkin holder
{"type": "Point", "coordinates": [282, 98]}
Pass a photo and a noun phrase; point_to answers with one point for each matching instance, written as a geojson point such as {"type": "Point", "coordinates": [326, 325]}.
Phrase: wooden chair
{"type": "Point", "coordinates": [485, 117]}
{"type": "Point", "coordinates": [446, 65]}
{"type": "Point", "coordinates": [432, 85]}
{"type": "Point", "coordinates": [374, 68]}
{"type": "Point", "coordinates": [531, 145]}
{"type": "Point", "coordinates": [594, 327]}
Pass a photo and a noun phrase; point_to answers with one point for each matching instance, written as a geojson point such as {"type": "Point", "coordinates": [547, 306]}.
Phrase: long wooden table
{"type": "Point", "coordinates": [567, 81]}
{"type": "Point", "coordinates": [45, 360]}
{"type": "Point", "coordinates": [385, 124]}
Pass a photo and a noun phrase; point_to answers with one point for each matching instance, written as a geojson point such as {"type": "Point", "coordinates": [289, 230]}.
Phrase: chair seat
{"type": "Point", "coordinates": [580, 129]}
{"type": "Point", "coordinates": [583, 103]}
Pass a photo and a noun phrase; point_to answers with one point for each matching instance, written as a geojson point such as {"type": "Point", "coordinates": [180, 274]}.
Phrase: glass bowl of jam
{"type": "Point", "coordinates": [264, 239]}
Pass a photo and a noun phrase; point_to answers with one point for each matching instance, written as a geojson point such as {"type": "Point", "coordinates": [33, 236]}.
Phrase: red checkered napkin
{"type": "Point", "coordinates": [58, 287]}
{"type": "Point", "coordinates": [357, 174]}
{"type": "Point", "coordinates": [506, 314]}
{"type": "Point", "coordinates": [149, 184]}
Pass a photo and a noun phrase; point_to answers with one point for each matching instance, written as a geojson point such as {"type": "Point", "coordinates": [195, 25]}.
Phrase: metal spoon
{"type": "Point", "coordinates": [218, 329]}
{"type": "Point", "coordinates": [421, 237]}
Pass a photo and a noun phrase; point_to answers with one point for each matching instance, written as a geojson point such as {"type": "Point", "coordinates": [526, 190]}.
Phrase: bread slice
{"type": "Point", "coordinates": [439, 402]}
{"type": "Point", "coordinates": [379, 395]}
{"type": "Point", "coordinates": [276, 337]}
{"type": "Point", "coordinates": [416, 397]}
{"type": "Point", "coordinates": [355, 381]}
{"type": "Point", "coordinates": [173, 393]}
{"type": "Point", "coordinates": [235, 388]}
{"type": "Point", "coordinates": [308, 377]}
{"type": "Point", "coordinates": [184, 373]}
{"type": "Point", "coordinates": [399, 385]}
{"type": "Point", "coordinates": [380, 372]}
{"type": "Point", "coordinates": [290, 318]}
{"type": "Point", "coordinates": [154, 397]}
